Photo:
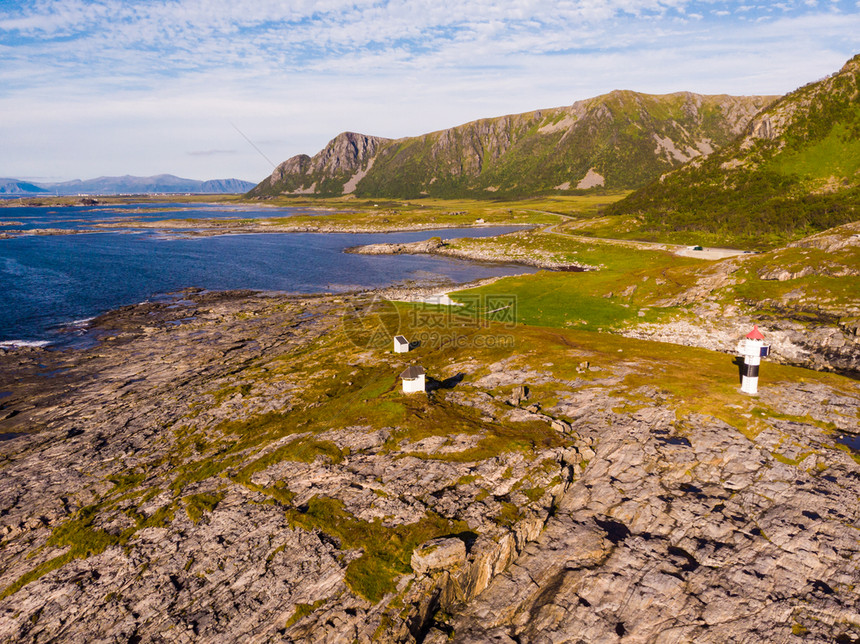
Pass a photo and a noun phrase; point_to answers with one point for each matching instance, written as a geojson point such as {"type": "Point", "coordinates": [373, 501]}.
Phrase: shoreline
{"type": "Point", "coordinates": [172, 308]}
{"type": "Point", "coordinates": [172, 444]}
{"type": "Point", "coordinates": [61, 334]}
{"type": "Point", "coordinates": [211, 228]}
{"type": "Point", "coordinates": [214, 227]}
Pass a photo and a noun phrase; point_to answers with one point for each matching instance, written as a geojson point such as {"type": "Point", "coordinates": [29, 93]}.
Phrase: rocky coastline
{"type": "Point", "coordinates": [815, 331]}
{"type": "Point", "coordinates": [177, 483]}
{"type": "Point", "coordinates": [439, 246]}
{"type": "Point", "coordinates": [823, 342]}
{"type": "Point", "coordinates": [211, 227]}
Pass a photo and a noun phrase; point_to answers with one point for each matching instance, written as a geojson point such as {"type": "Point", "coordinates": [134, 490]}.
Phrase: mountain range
{"type": "Point", "coordinates": [620, 140]}
{"type": "Point", "coordinates": [738, 167]}
{"type": "Point", "coordinates": [162, 183]}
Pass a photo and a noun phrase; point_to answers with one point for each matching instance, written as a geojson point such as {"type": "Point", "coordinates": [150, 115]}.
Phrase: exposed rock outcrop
{"type": "Point", "coordinates": [238, 467]}
{"type": "Point", "coordinates": [335, 169]}
{"type": "Point", "coordinates": [485, 253]}
{"type": "Point", "coordinates": [807, 324]}
{"type": "Point", "coordinates": [733, 549]}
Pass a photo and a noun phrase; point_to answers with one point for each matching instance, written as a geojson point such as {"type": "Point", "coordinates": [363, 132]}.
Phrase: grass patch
{"type": "Point", "coordinates": [304, 450]}
{"type": "Point", "coordinates": [835, 155]}
{"type": "Point", "coordinates": [387, 551]}
{"type": "Point", "coordinates": [534, 494]}
{"type": "Point", "coordinates": [224, 393]}
{"type": "Point", "coordinates": [36, 573]}
{"type": "Point", "coordinates": [509, 515]}
{"type": "Point", "coordinates": [83, 541]}
{"type": "Point", "coordinates": [782, 458]}
{"type": "Point", "coordinates": [302, 611]}
{"type": "Point", "coordinates": [196, 505]}
{"type": "Point", "coordinates": [607, 299]}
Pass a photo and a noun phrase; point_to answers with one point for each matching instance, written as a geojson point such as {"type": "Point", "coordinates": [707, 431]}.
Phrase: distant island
{"type": "Point", "coordinates": [127, 184]}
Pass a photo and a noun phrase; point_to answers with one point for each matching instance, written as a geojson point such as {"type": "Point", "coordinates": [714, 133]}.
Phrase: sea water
{"type": "Point", "coordinates": [48, 282]}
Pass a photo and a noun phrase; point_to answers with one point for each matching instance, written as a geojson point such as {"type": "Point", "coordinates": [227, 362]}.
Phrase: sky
{"type": "Point", "coordinates": [215, 89]}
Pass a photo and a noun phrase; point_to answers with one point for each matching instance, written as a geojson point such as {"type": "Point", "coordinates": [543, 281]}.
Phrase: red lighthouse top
{"type": "Point", "coordinates": [755, 334]}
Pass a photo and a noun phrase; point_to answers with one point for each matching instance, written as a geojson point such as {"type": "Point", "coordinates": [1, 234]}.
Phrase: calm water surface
{"type": "Point", "coordinates": [49, 282]}
{"type": "Point", "coordinates": [85, 217]}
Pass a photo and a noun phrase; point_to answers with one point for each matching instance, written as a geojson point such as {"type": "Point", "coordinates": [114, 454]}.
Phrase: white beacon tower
{"type": "Point", "coordinates": [753, 349]}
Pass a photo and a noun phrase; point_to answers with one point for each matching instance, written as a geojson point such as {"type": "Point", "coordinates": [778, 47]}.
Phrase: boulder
{"type": "Point", "coordinates": [518, 395]}
{"type": "Point", "coordinates": [438, 554]}
{"type": "Point", "coordinates": [560, 426]}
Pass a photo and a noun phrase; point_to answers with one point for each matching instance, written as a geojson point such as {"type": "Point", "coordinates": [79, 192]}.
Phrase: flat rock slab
{"type": "Point", "coordinates": [438, 554]}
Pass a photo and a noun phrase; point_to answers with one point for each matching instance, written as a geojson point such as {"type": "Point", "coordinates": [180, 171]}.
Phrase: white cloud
{"type": "Point", "coordinates": [155, 84]}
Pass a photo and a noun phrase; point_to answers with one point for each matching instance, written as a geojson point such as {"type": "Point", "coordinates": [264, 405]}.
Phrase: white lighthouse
{"type": "Point", "coordinates": [753, 349]}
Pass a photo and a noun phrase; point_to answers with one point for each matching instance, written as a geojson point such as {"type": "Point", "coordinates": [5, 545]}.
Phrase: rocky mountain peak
{"type": "Point", "coordinates": [347, 152]}
{"type": "Point", "coordinates": [796, 106]}
{"type": "Point", "coordinates": [628, 138]}
{"type": "Point", "coordinates": [851, 66]}
{"type": "Point", "coordinates": [298, 164]}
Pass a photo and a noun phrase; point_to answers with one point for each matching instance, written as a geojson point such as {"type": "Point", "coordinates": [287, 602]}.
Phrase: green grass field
{"type": "Point", "coordinates": [628, 281]}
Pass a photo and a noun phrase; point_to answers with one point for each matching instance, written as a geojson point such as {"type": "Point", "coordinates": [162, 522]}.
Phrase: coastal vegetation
{"type": "Point", "coordinates": [382, 215]}
{"type": "Point", "coordinates": [635, 285]}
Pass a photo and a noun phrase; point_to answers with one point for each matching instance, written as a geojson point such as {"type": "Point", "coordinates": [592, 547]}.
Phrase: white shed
{"type": "Point", "coordinates": [401, 344]}
{"type": "Point", "coordinates": [413, 379]}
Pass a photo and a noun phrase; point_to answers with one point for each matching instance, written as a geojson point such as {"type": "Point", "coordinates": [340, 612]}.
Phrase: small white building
{"type": "Point", "coordinates": [401, 344]}
{"type": "Point", "coordinates": [413, 379]}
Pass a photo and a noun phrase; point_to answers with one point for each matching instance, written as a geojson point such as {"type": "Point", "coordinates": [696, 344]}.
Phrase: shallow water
{"type": "Point", "coordinates": [852, 442]}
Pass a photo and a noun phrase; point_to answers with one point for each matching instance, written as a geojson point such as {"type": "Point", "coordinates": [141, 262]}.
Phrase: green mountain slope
{"type": "Point", "coordinates": [794, 172]}
{"type": "Point", "coordinates": [620, 140]}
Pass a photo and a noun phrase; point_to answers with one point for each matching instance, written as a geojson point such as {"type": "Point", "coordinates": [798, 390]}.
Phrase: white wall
{"type": "Point", "coordinates": [411, 386]}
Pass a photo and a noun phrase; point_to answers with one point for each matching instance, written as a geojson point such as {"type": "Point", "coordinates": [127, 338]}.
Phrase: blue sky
{"type": "Point", "coordinates": [110, 87]}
